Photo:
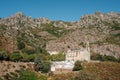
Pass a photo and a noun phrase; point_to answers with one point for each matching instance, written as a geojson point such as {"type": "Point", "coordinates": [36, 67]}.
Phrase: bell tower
{"type": "Point", "coordinates": [87, 46]}
{"type": "Point", "coordinates": [87, 49]}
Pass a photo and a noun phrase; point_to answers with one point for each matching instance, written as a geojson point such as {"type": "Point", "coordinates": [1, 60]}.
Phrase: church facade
{"type": "Point", "coordinates": [81, 54]}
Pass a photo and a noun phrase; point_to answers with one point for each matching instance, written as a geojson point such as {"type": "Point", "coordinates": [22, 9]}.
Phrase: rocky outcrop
{"type": "Point", "coordinates": [96, 29]}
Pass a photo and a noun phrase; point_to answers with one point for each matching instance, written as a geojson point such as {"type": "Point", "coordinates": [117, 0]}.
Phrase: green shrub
{"type": "Point", "coordinates": [103, 58]}
{"type": "Point", "coordinates": [58, 57]}
{"type": "Point", "coordinates": [28, 51]}
{"type": "Point", "coordinates": [77, 66]}
{"type": "Point", "coordinates": [4, 55]}
{"type": "Point", "coordinates": [45, 57]}
{"type": "Point", "coordinates": [1, 78]}
{"type": "Point", "coordinates": [44, 66]}
{"type": "Point", "coordinates": [15, 56]}
{"type": "Point", "coordinates": [30, 57]}
{"type": "Point", "coordinates": [26, 75]}
{"type": "Point", "coordinates": [42, 50]}
{"type": "Point", "coordinates": [20, 45]}
{"type": "Point", "coordinates": [109, 58]}
{"type": "Point", "coordinates": [37, 61]}
{"type": "Point", "coordinates": [116, 26]}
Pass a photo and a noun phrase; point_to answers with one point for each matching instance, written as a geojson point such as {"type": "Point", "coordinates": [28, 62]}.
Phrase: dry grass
{"type": "Point", "coordinates": [104, 70]}
{"type": "Point", "coordinates": [7, 67]}
{"type": "Point", "coordinates": [94, 71]}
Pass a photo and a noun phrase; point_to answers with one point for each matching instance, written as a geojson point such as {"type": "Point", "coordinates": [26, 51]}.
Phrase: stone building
{"type": "Point", "coordinates": [81, 54]}
{"type": "Point", "coordinates": [71, 57]}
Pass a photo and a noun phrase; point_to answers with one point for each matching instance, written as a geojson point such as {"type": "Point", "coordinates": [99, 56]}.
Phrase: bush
{"type": "Point", "coordinates": [28, 51]}
{"type": "Point", "coordinates": [20, 45]}
{"type": "Point", "coordinates": [110, 58]}
{"type": "Point", "coordinates": [4, 55]}
{"type": "Point", "coordinates": [103, 58]}
{"type": "Point", "coordinates": [45, 57]}
{"type": "Point", "coordinates": [42, 50]}
{"type": "Point", "coordinates": [77, 66]}
{"type": "Point", "coordinates": [37, 61]}
{"type": "Point", "coordinates": [116, 26]}
{"type": "Point", "coordinates": [27, 57]}
{"type": "Point", "coordinates": [45, 67]}
{"type": "Point", "coordinates": [1, 78]}
{"type": "Point", "coordinates": [26, 75]}
{"type": "Point", "coordinates": [15, 56]}
{"type": "Point", "coordinates": [58, 57]}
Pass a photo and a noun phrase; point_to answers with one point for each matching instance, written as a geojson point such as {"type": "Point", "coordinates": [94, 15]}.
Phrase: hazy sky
{"type": "Point", "coordinates": [67, 10]}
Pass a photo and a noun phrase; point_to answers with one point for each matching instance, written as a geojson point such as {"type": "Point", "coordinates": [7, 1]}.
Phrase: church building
{"type": "Point", "coordinates": [81, 54]}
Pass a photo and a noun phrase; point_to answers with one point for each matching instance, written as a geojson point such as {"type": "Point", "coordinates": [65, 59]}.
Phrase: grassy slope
{"type": "Point", "coordinates": [104, 70]}
{"type": "Point", "coordinates": [94, 71]}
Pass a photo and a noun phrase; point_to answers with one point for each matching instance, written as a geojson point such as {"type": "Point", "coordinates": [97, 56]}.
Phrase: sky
{"type": "Point", "coordinates": [66, 10]}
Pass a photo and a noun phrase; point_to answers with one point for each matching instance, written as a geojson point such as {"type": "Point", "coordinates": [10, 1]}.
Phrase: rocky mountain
{"type": "Point", "coordinates": [19, 32]}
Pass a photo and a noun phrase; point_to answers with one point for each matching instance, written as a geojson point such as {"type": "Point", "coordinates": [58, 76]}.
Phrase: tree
{"type": "Point", "coordinates": [77, 66]}
{"type": "Point", "coordinates": [45, 67]}
{"type": "Point", "coordinates": [37, 62]}
{"type": "Point", "coordinates": [41, 65]}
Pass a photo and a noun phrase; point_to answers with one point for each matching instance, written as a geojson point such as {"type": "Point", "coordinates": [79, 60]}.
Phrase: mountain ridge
{"type": "Point", "coordinates": [102, 32]}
